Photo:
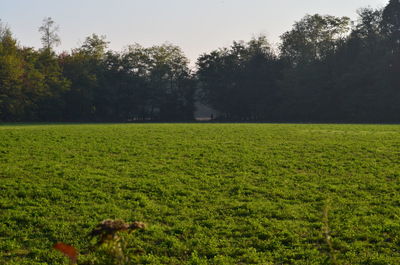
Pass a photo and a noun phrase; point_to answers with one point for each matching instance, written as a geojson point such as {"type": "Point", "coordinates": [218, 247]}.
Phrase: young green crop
{"type": "Point", "coordinates": [210, 193]}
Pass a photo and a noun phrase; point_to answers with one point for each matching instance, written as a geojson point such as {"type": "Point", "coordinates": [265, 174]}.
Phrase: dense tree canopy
{"type": "Point", "coordinates": [241, 81]}
{"type": "Point", "coordinates": [313, 38]}
{"type": "Point", "coordinates": [327, 69]}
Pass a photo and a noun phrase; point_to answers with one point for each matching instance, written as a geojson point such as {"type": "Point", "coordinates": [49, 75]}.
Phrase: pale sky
{"type": "Point", "coordinates": [197, 26]}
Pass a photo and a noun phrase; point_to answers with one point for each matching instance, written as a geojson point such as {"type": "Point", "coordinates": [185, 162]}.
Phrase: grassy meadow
{"type": "Point", "coordinates": [209, 193]}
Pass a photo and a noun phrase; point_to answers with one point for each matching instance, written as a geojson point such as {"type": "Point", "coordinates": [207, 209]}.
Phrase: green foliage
{"type": "Point", "coordinates": [327, 69]}
{"type": "Point", "coordinates": [391, 23]}
{"type": "Point", "coordinates": [210, 194]}
{"type": "Point", "coordinates": [313, 38]}
{"type": "Point", "coordinates": [11, 78]}
{"type": "Point", "coordinates": [241, 82]}
{"type": "Point", "coordinates": [164, 74]}
{"type": "Point", "coordinates": [31, 82]}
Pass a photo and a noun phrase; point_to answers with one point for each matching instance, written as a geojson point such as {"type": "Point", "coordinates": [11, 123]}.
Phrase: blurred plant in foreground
{"type": "Point", "coordinates": [110, 245]}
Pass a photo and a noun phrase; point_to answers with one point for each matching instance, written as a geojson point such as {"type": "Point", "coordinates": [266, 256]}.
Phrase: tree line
{"type": "Point", "coordinates": [326, 69]}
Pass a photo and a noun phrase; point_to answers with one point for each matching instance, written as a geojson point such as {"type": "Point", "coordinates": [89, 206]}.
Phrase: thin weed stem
{"type": "Point", "coordinates": [327, 233]}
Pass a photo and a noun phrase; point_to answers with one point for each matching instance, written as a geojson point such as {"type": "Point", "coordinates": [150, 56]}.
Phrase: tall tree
{"type": "Point", "coordinates": [49, 32]}
{"type": "Point", "coordinates": [168, 75]}
{"type": "Point", "coordinates": [240, 82]}
{"type": "Point", "coordinates": [309, 50]}
{"type": "Point", "coordinates": [391, 22]}
{"type": "Point", "coordinates": [83, 68]}
{"type": "Point", "coordinates": [391, 29]}
{"type": "Point", "coordinates": [12, 98]}
{"type": "Point", "coordinates": [313, 38]}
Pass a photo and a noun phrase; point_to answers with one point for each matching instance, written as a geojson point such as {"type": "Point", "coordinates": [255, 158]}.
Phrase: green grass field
{"type": "Point", "coordinates": [210, 193]}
